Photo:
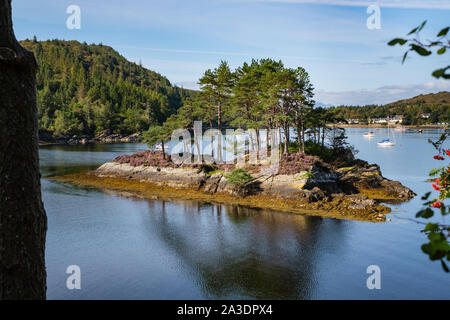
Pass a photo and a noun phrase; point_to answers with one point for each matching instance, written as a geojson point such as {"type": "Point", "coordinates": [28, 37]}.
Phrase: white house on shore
{"type": "Point", "coordinates": [392, 120]}
{"type": "Point", "coordinates": [378, 120]}
{"type": "Point", "coordinates": [395, 119]}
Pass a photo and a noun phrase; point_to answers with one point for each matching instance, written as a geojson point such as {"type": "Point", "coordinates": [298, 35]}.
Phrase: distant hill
{"type": "Point", "coordinates": [86, 89]}
{"type": "Point", "coordinates": [442, 98]}
{"type": "Point", "coordinates": [322, 105]}
{"type": "Point", "coordinates": [422, 109]}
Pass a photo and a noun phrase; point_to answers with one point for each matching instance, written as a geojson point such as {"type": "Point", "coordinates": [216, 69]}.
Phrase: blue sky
{"type": "Point", "coordinates": [348, 63]}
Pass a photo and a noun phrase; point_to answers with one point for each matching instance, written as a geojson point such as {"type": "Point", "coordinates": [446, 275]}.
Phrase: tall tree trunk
{"type": "Point", "coordinates": [303, 136]}
{"type": "Point", "coordinates": [257, 143]}
{"type": "Point", "coordinates": [197, 139]}
{"type": "Point", "coordinates": [287, 137]}
{"type": "Point", "coordinates": [219, 127]}
{"type": "Point", "coordinates": [163, 149]}
{"type": "Point", "coordinates": [323, 135]}
{"type": "Point", "coordinates": [299, 134]}
{"type": "Point", "coordinates": [279, 135]}
{"type": "Point", "coordinates": [212, 140]}
{"type": "Point", "coordinates": [23, 223]}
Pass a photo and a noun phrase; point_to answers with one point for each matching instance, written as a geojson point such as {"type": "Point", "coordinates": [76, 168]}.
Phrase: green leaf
{"type": "Point", "coordinates": [395, 41]}
{"type": "Point", "coordinates": [404, 56]}
{"type": "Point", "coordinates": [425, 213]}
{"type": "Point", "coordinates": [422, 25]}
{"type": "Point", "coordinates": [432, 227]}
{"type": "Point", "coordinates": [434, 172]}
{"type": "Point", "coordinates": [440, 73]}
{"type": "Point", "coordinates": [440, 244]}
{"type": "Point", "coordinates": [413, 31]}
{"type": "Point", "coordinates": [428, 249]}
{"type": "Point", "coordinates": [443, 32]}
{"type": "Point", "coordinates": [420, 50]}
{"type": "Point", "coordinates": [426, 195]}
{"type": "Point", "coordinates": [441, 50]}
{"type": "Point", "coordinates": [444, 266]}
{"type": "Point", "coordinates": [443, 210]}
{"type": "Point", "coordinates": [435, 238]}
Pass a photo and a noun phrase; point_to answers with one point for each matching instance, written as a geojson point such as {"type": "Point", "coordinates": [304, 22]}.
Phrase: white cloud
{"type": "Point", "coordinates": [382, 95]}
{"type": "Point", "coordinates": [424, 4]}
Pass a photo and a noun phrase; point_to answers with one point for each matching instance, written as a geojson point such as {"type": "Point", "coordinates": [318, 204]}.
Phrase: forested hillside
{"type": "Point", "coordinates": [85, 89]}
{"type": "Point", "coordinates": [422, 109]}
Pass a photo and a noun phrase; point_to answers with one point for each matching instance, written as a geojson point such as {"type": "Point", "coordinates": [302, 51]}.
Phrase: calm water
{"type": "Point", "coordinates": [140, 249]}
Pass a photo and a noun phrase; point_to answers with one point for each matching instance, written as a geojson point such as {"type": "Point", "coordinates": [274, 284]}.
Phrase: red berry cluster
{"type": "Point", "coordinates": [439, 183]}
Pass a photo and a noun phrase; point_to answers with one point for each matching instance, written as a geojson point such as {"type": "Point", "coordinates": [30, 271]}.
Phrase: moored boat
{"type": "Point", "coordinates": [386, 143]}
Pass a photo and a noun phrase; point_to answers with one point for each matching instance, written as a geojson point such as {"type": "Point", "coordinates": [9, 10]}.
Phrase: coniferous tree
{"type": "Point", "coordinates": [217, 85]}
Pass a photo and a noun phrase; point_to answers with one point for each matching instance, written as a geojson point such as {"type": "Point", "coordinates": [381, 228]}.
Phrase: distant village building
{"type": "Point", "coordinates": [426, 115]}
{"type": "Point", "coordinates": [378, 120]}
{"type": "Point", "coordinates": [392, 120]}
{"type": "Point", "coordinates": [352, 121]}
{"type": "Point", "coordinates": [395, 119]}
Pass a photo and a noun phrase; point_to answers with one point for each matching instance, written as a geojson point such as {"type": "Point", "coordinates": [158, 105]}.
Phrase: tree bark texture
{"type": "Point", "coordinates": [23, 222]}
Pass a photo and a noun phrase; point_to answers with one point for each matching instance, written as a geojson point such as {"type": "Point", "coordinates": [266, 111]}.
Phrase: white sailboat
{"type": "Point", "coordinates": [387, 142]}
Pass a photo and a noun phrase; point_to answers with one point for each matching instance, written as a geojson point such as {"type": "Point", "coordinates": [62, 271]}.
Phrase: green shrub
{"type": "Point", "coordinates": [238, 177]}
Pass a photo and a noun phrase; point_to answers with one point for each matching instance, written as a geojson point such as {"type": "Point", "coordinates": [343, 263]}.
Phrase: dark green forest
{"type": "Point", "coordinates": [86, 89]}
{"type": "Point", "coordinates": [422, 109]}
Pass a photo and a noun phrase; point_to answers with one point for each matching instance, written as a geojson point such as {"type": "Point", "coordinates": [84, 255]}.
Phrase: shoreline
{"type": "Point", "coordinates": [349, 193]}
{"type": "Point", "coordinates": [105, 137]}
{"type": "Point", "coordinates": [145, 190]}
{"type": "Point", "coordinates": [362, 126]}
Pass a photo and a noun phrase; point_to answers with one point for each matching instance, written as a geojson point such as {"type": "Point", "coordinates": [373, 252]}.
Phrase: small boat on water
{"type": "Point", "coordinates": [157, 147]}
{"type": "Point", "coordinates": [369, 134]}
{"type": "Point", "coordinates": [386, 143]}
{"type": "Point", "coordinates": [400, 128]}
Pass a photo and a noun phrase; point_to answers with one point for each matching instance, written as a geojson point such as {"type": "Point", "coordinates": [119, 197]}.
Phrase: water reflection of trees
{"type": "Point", "coordinates": [235, 251]}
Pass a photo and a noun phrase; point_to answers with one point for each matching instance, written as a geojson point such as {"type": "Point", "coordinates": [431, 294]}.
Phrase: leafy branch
{"type": "Point", "coordinates": [438, 247]}
{"type": "Point", "coordinates": [442, 43]}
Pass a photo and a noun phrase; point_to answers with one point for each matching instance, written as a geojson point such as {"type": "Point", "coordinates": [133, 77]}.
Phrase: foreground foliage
{"type": "Point", "coordinates": [438, 247]}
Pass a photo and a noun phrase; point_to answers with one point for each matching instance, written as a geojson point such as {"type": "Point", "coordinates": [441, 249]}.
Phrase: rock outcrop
{"type": "Point", "coordinates": [352, 191]}
{"type": "Point", "coordinates": [368, 180]}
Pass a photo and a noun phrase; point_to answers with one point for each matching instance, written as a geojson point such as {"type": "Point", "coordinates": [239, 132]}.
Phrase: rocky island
{"type": "Point", "coordinates": [302, 184]}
